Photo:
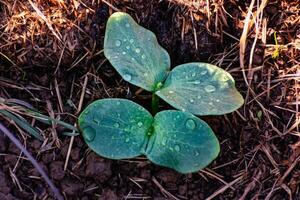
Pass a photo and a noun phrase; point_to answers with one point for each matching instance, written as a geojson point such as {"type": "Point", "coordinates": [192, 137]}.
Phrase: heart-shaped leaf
{"type": "Point", "coordinates": [182, 142]}
{"type": "Point", "coordinates": [134, 52]}
{"type": "Point", "coordinates": [115, 128]}
{"type": "Point", "coordinates": [201, 89]}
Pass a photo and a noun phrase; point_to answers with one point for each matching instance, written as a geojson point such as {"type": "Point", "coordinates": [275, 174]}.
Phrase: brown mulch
{"type": "Point", "coordinates": [50, 48]}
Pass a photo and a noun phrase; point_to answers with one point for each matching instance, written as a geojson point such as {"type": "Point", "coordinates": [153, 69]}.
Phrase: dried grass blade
{"type": "Point", "coordinates": [23, 124]}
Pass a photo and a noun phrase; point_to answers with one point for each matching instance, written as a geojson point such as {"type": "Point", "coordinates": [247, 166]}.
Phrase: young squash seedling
{"type": "Point", "coordinates": [120, 129]}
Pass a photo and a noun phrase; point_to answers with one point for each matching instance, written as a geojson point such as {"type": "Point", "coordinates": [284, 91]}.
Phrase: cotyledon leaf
{"type": "Point", "coordinates": [201, 89]}
{"type": "Point", "coordinates": [182, 142]}
{"type": "Point", "coordinates": [134, 52]}
{"type": "Point", "coordinates": [115, 128]}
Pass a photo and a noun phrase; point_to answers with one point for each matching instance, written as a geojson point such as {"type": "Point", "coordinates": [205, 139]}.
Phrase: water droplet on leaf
{"type": "Point", "coordinates": [89, 134]}
{"type": "Point", "coordinates": [171, 92]}
{"type": "Point", "coordinates": [143, 56]}
{"type": "Point", "coordinates": [196, 82]}
{"type": "Point", "coordinates": [192, 100]}
{"type": "Point", "coordinates": [117, 125]}
{"type": "Point", "coordinates": [209, 88]}
{"type": "Point", "coordinates": [127, 47]}
{"type": "Point", "coordinates": [194, 74]}
{"type": "Point", "coordinates": [124, 53]}
{"type": "Point", "coordinates": [203, 72]}
{"type": "Point", "coordinates": [138, 50]}
{"type": "Point", "coordinates": [140, 124]}
{"type": "Point", "coordinates": [177, 148]}
{"type": "Point", "coordinates": [225, 84]}
{"type": "Point", "coordinates": [190, 124]}
{"type": "Point", "coordinates": [118, 43]}
{"type": "Point", "coordinates": [127, 25]}
{"type": "Point", "coordinates": [199, 97]}
{"type": "Point", "coordinates": [127, 140]}
{"type": "Point", "coordinates": [164, 141]}
{"type": "Point", "coordinates": [224, 78]}
{"type": "Point", "coordinates": [131, 40]}
{"type": "Point", "coordinates": [127, 77]}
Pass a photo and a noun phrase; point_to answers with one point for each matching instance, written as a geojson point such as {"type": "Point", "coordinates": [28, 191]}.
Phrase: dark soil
{"type": "Point", "coordinates": [253, 158]}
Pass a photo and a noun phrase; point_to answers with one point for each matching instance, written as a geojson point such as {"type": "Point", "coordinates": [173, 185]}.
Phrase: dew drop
{"type": "Point", "coordinates": [127, 47]}
{"type": "Point", "coordinates": [203, 72]}
{"type": "Point", "coordinates": [217, 100]}
{"type": "Point", "coordinates": [118, 43]}
{"type": "Point", "coordinates": [183, 110]}
{"type": "Point", "coordinates": [199, 97]}
{"type": "Point", "coordinates": [145, 74]}
{"type": "Point", "coordinates": [140, 124]}
{"type": "Point", "coordinates": [190, 124]}
{"type": "Point", "coordinates": [148, 39]}
{"type": "Point", "coordinates": [117, 125]}
{"type": "Point", "coordinates": [177, 148]}
{"type": "Point", "coordinates": [127, 25]}
{"type": "Point", "coordinates": [211, 103]}
{"type": "Point", "coordinates": [89, 134]}
{"type": "Point", "coordinates": [127, 77]}
{"type": "Point", "coordinates": [131, 40]}
{"type": "Point", "coordinates": [196, 153]}
{"type": "Point", "coordinates": [127, 129]}
{"type": "Point", "coordinates": [224, 78]}
{"type": "Point", "coordinates": [196, 82]}
{"type": "Point", "coordinates": [225, 84]}
{"type": "Point", "coordinates": [127, 140]}
{"type": "Point", "coordinates": [124, 53]}
{"type": "Point", "coordinates": [133, 59]}
{"type": "Point", "coordinates": [194, 74]}
{"type": "Point", "coordinates": [118, 103]}
{"type": "Point", "coordinates": [192, 100]}
{"type": "Point", "coordinates": [171, 92]}
{"type": "Point", "coordinates": [164, 141]}
{"type": "Point", "coordinates": [137, 50]}
{"type": "Point", "coordinates": [209, 88]}
{"type": "Point", "coordinates": [143, 56]}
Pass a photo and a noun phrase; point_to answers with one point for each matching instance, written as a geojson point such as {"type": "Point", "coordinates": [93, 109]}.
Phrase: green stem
{"type": "Point", "coordinates": [154, 104]}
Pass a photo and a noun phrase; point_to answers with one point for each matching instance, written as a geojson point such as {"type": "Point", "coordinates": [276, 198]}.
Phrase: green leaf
{"type": "Point", "coordinates": [201, 89]}
{"type": "Point", "coordinates": [182, 142]}
{"type": "Point", "coordinates": [115, 128]}
{"type": "Point", "coordinates": [134, 52]}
